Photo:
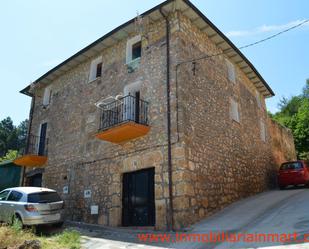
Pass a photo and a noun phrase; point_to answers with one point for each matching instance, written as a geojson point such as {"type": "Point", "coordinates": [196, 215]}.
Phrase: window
{"type": "Point", "coordinates": [234, 111]}
{"type": "Point", "coordinates": [99, 70]}
{"type": "Point", "coordinates": [15, 196]}
{"type": "Point", "coordinates": [4, 194]}
{"type": "Point", "coordinates": [134, 49]}
{"type": "Point", "coordinates": [43, 197]}
{"type": "Point", "coordinates": [137, 50]}
{"type": "Point", "coordinates": [291, 165]}
{"type": "Point", "coordinates": [95, 69]}
{"type": "Point", "coordinates": [231, 71]}
{"type": "Point", "coordinates": [263, 130]}
{"type": "Point", "coordinates": [47, 96]}
{"type": "Point", "coordinates": [258, 99]}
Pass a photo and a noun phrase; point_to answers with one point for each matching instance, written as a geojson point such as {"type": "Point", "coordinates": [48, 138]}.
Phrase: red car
{"type": "Point", "coordinates": [293, 173]}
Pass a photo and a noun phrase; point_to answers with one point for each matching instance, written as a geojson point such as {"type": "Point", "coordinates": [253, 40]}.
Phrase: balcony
{"type": "Point", "coordinates": [124, 119]}
{"type": "Point", "coordinates": [35, 154]}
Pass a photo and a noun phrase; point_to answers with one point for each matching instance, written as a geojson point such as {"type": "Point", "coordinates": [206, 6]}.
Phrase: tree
{"type": "Point", "coordinates": [12, 137]}
{"type": "Point", "coordinates": [294, 114]}
{"type": "Point", "coordinates": [10, 155]}
{"type": "Point", "coordinates": [22, 130]}
{"type": "Point", "coordinates": [8, 136]}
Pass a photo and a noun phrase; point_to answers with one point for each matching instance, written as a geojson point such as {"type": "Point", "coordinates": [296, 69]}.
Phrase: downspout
{"type": "Point", "coordinates": [28, 135]}
{"type": "Point", "coordinates": [170, 221]}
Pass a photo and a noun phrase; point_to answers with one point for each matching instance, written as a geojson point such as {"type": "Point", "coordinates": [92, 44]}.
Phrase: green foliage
{"type": "Point", "coordinates": [69, 239]}
{"type": "Point", "coordinates": [10, 155]}
{"type": "Point", "coordinates": [12, 137]}
{"type": "Point", "coordinates": [294, 114]}
{"type": "Point", "coordinates": [16, 224]}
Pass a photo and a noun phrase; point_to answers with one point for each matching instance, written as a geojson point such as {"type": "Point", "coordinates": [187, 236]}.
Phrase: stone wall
{"type": "Point", "coordinates": [226, 160]}
{"type": "Point", "coordinates": [78, 160]}
{"type": "Point", "coordinates": [215, 160]}
{"type": "Point", "coordinates": [282, 143]}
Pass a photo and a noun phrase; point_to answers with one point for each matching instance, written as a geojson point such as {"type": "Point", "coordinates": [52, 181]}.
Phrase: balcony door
{"type": "Point", "coordinates": [42, 139]}
{"type": "Point", "coordinates": [132, 104]}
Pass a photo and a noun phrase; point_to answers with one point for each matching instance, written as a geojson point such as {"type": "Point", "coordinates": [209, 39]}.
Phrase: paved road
{"type": "Point", "coordinates": [273, 212]}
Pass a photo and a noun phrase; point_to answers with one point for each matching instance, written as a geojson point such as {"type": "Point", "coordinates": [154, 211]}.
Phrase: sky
{"type": "Point", "coordinates": [36, 35]}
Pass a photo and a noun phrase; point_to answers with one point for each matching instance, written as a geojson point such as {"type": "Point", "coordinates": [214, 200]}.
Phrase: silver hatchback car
{"type": "Point", "coordinates": [31, 205]}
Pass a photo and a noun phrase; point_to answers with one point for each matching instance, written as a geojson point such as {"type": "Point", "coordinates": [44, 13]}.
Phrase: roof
{"type": "Point", "coordinates": [124, 30]}
{"type": "Point", "coordinates": [29, 190]}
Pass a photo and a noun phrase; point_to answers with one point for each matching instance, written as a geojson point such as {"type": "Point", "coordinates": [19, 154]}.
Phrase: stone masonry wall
{"type": "Point", "coordinates": [226, 160]}
{"type": "Point", "coordinates": [282, 143]}
{"type": "Point", "coordinates": [80, 161]}
{"type": "Point", "coordinates": [215, 160]}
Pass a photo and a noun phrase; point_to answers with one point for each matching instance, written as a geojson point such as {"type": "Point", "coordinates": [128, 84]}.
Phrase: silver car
{"type": "Point", "coordinates": [31, 205]}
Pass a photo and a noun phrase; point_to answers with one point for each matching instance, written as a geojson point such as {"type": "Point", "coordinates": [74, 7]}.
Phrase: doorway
{"type": "Point", "coordinates": [138, 198]}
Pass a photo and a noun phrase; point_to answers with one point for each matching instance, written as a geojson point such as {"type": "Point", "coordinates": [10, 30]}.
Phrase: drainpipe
{"type": "Point", "coordinates": [169, 145]}
{"type": "Point", "coordinates": [28, 135]}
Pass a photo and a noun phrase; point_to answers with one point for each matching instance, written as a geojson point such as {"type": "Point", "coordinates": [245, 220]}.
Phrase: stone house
{"type": "Point", "coordinates": [161, 122]}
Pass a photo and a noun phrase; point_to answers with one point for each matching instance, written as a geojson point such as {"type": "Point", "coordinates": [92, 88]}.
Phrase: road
{"type": "Point", "coordinates": [274, 212]}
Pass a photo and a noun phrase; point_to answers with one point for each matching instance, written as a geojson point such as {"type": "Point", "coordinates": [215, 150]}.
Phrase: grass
{"type": "Point", "coordinates": [14, 235]}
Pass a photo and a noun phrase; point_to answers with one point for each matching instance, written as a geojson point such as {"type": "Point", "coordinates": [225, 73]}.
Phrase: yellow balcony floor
{"type": "Point", "coordinates": [31, 160]}
{"type": "Point", "coordinates": [123, 132]}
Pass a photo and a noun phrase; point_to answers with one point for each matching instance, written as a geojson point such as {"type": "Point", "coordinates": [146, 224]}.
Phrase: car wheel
{"type": "Point", "coordinates": [58, 225]}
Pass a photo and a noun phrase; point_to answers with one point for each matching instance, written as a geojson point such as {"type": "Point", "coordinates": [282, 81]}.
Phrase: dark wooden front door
{"type": "Point", "coordinates": [42, 139]}
{"type": "Point", "coordinates": [138, 198]}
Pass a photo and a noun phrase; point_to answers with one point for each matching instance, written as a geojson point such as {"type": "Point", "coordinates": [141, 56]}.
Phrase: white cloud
{"type": "Point", "coordinates": [264, 29]}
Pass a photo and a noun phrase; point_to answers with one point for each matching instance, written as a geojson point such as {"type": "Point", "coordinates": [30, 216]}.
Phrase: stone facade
{"type": "Point", "coordinates": [282, 143]}
{"type": "Point", "coordinates": [215, 160]}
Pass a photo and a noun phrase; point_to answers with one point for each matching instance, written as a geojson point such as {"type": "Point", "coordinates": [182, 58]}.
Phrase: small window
{"type": "Point", "coordinates": [137, 50]}
{"type": "Point", "coordinates": [4, 194]}
{"type": "Point", "coordinates": [234, 112]}
{"type": "Point", "coordinates": [95, 69]}
{"type": "Point", "coordinates": [231, 71]}
{"type": "Point", "coordinates": [263, 130]}
{"type": "Point", "coordinates": [258, 99]}
{"type": "Point", "coordinates": [99, 70]}
{"type": "Point", "coordinates": [47, 96]}
{"type": "Point", "coordinates": [134, 49]}
{"type": "Point", "coordinates": [15, 196]}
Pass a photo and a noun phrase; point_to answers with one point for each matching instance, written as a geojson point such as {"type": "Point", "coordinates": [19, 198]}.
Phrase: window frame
{"type": "Point", "coordinates": [231, 71]}
{"type": "Point", "coordinates": [93, 69]}
{"type": "Point", "coordinates": [263, 130]}
{"type": "Point", "coordinates": [47, 96]}
{"type": "Point", "coordinates": [233, 110]}
{"type": "Point", "coordinates": [129, 49]}
{"type": "Point", "coordinates": [258, 98]}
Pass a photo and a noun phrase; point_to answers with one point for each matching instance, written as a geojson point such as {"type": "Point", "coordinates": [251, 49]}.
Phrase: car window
{"type": "Point", "coordinates": [4, 194]}
{"type": "Point", "coordinates": [43, 197]}
{"type": "Point", "coordinates": [292, 165]}
{"type": "Point", "coordinates": [14, 196]}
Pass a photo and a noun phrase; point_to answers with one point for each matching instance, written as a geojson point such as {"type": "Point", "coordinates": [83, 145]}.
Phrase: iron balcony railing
{"type": "Point", "coordinates": [125, 109]}
{"type": "Point", "coordinates": [36, 145]}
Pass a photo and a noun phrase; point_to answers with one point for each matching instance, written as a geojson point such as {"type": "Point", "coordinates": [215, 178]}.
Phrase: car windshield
{"type": "Point", "coordinates": [292, 165]}
{"type": "Point", "coordinates": [43, 197]}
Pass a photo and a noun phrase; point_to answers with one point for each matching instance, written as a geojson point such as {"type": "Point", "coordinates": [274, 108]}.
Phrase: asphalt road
{"type": "Point", "coordinates": [269, 214]}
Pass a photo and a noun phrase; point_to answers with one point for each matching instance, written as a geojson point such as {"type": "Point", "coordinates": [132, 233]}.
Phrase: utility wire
{"type": "Point", "coordinates": [246, 46]}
